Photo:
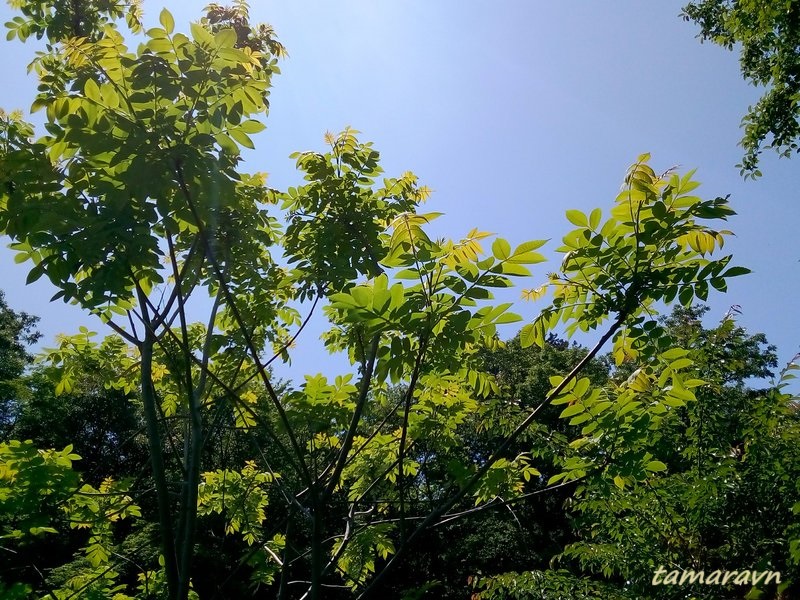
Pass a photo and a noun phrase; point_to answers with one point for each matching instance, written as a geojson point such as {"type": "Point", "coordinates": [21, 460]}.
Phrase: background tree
{"type": "Point", "coordinates": [103, 424]}
{"type": "Point", "coordinates": [768, 34]}
{"type": "Point", "coordinates": [724, 490]}
{"type": "Point", "coordinates": [17, 333]}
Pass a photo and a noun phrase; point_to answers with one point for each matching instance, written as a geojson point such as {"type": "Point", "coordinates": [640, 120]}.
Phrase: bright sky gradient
{"type": "Point", "coordinates": [512, 112]}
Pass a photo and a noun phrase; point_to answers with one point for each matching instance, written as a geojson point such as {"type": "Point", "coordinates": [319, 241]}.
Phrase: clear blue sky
{"type": "Point", "coordinates": [512, 112]}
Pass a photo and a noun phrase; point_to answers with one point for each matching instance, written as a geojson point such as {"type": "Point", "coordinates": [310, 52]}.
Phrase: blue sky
{"type": "Point", "coordinates": [513, 112]}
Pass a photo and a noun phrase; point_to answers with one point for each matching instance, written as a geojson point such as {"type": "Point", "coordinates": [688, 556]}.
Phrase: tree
{"type": "Point", "coordinates": [17, 332]}
{"type": "Point", "coordinates": [723, 490]}
{"type": "Point", "coordinates": [135, 207]}
{"type": "Point", "coordinates": [769, 36]}
{"type": "Point", "coordinates": [103, 424]}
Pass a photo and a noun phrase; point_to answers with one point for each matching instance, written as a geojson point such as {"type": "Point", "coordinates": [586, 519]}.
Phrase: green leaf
{"type": "Point", "coordinates": [241, 137]}
{"type": "Point", "coordinates": [572, 410]}
{"type": "Point", "coordinates": [674, 353]}
{"type": "Point", "coordinates": [166, 20]}
{"type": "Point", "coordinates": [581, 387]}
{"type": "Point", "coordinates": [679, 391]}
{"type": "Point", "coordinates": [581, 418]}
{"type": "Point", "coordinates": [35, 273]}
{"type": "Point", "coordinates": [96, 554]}
{"type": "Point", "coordinates": [225, 38]}
{"type": "Point", "coordinates": [529, 245]}
{"type": "Point", "coordinates": [362, 296]}
{"type": "Point", "coordinates": [527, 258]}
{"type": "Point", "coordinates": [252, 126]}
{"type": "Point", "coordinates": [501, 249]}
{"type": "Point", "coordinates": [686, 295]}
{"type": "Point", "coordinates": [513, 269]}
{"type": "Point", "coordinates": [506, 318]}
{"type": "Point", "coordinates": [201, 35]}
{"type": "Point", "coordinates": [227, 144]}
{"type": "Point", "coordinates": [594, 218]}
{"type": "Point", "coordinates": [92, 90]}
{"type": "Point", "coordinates": [681, 363]}
{"type": "Point", "coordinates": [527, 336]}
{"type": "Point", "coordinates": [655, 466]}
{"type": "Point", "coordinates": [576, 217]}
{"type": "Point", "coordinates": [629, 407]}
{"type": "Point", "coordinates": [736, 272]}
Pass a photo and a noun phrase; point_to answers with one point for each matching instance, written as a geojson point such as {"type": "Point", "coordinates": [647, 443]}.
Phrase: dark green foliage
{"type": "Point", "coordinates": [76, 18]}
{"type": "Point", "coordinates": [17, 333]}
{"type": "Point", "coordinates": [527, 532]}
{"type": "Point", "coordinates": [722, 491]}
{"type": "Point", "coordinates": [546, 585]}
{"type": "Point", "coordinates": [767, 33]}
{"type": "Point", "coordinates": [104, 426]}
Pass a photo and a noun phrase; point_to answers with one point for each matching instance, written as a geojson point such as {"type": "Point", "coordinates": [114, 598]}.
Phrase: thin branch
{"type": "Point", "coordinates": [232, 395]}
{"type": "Point", "coordinates": [499, 502]}
{"type": "Point", "coordinates": [347, 444]}
{"type": "Point", "coordinates": [231, 303]}
{"type": "Point", "coordinates": [376, 430]}
{"type": "Point", "coordinates": [404, 431]}
{"type": "Point", "coordinates": [291, 341]}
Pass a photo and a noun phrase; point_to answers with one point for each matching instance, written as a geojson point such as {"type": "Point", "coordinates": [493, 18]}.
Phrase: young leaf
{"type": "Point", "coordinates": [576, 217]}
{"type": "Point", "coordinates": [501, 249]}
{"type": "Point", "coordinates": [166, 20]}
{"type": "Point", "coordinates": [655, 466]}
